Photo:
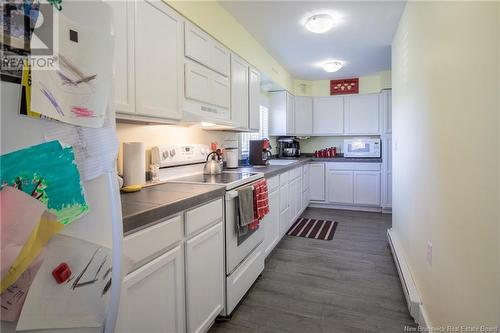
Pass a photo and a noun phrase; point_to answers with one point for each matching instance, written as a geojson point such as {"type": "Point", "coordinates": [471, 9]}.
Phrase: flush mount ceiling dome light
{"type": "Point", "coordinates": [319, 23]}
{"type": "Point", "coordinates": [332, 66]}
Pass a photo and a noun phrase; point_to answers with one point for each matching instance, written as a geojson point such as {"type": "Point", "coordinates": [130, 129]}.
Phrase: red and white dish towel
{"type": "Point", "coordinates": [260, 203]}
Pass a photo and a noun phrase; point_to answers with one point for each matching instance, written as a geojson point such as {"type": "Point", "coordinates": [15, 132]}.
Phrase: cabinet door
{"type": "Point", "coordinates": [290, 114]}
{"type": "Point", "coordinates": [158, 60]}
{"type": "Point", "coordinates": [124, 79]}
{"type": "Point", "coordinates": [157, 288]}
{"type": "Point", "coordinates": [271, 223]}
{"type": "Point", "coordinates": [284, 197]}
{"type": "Point", "coordinates": [306, 195]}
{"type": "Point", "coordinates": [386, 109]}
{"type": "Point", "coordinates": [254, 99]}
{"type": "Point", "coordinates": [340, 187]}
{"type": "Point", "coordinates": [197, 44]}
{"type": "Point", "coordinates": [277, 113]}
{"type": "Point", "coordinates": [204, 278]}
{"type": "Point", "coordinates": [303, 116]}
{"type": "Point", "coordinates": [362, 114]}
{"type": "Point", "coordinates": [198, 82]}
{"type": "Point", "coordinates": [305, 177]}
{"type": "Point", "coordinates": [317, 181]}
{"type": "Point", "coordinates": [293, 200]}
{"type": "Point", "coordinates": [220, 90]}
{"type": "Point", "coordinates": [367, 188]}
{"type": "Point", "coordinates": [284, 222]}
{"type": "Point", "coordinates": [328, 115]}
{"type": "Point", "coordinates": [387, 171]}
{"type": "Point", "coordinates": [239, 92]}
{"type": "Point", "coordinates": [220, 58]}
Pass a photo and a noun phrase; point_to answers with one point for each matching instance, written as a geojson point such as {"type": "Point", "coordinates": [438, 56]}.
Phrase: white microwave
{"type": "Point", "coordinates": [362, 147]}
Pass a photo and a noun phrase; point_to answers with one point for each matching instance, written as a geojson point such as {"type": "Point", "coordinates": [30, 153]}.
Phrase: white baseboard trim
{"type": "Point", "coordinates": [413, 300]}
{"type": "Point", "coordinates": [344, 207]}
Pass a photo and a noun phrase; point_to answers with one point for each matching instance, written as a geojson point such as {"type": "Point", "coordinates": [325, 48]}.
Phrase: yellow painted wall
{"type": "Point", "coordinates": [367, 84]}
{"type": "Point", "coordinates": [214, 19]}
{"type": "Point", "coordinates": [446, 159]}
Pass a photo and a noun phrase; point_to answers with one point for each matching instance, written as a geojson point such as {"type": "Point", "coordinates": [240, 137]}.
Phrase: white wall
{"type": "Point", "coordinates": [447, 156]}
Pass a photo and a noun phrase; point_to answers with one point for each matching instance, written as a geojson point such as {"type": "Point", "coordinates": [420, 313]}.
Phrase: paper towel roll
{"type": "Point", "coordinates": [134, 163]}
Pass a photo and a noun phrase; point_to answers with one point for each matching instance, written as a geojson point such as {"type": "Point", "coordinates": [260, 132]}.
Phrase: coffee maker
{"type": "Point", "coordinates": [288, 146]}
{"type": "Point", "coordinates": [259, 152]}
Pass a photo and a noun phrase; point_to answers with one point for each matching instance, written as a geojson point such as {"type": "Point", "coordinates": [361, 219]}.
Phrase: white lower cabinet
{"type": "Point", "coordinates": [340, 187]}
{"type": "Point", "coordinates": [204, 278]}
{"type": "Point", "coordinates": [354, 184]}
{"type": "Point", "coordinates": [284, 221]}
{"type": "Point", "coordinates": [367, 188]}
{"type": "Point", "coordinates": [271, 223]}
{"type": "Point", "coordinates": [317, 181]}
{"type": "Point", "coordinates": [152, 298]}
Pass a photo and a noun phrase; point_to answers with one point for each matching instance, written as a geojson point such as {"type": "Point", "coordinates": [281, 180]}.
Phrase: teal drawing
{"type": "Point", "coordinates": [47, 172]}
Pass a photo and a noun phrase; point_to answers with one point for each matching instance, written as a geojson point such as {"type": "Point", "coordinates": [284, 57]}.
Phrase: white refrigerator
{"type": "Point", "coordinates": [102, 225]}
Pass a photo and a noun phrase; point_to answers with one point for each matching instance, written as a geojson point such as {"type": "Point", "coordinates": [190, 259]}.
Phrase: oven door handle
{"type": "Point", "coordinates": [230, 195]}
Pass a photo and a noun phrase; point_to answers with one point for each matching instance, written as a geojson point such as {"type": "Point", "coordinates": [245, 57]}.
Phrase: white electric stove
{"type": "Point", "coordinates": [244, 256]}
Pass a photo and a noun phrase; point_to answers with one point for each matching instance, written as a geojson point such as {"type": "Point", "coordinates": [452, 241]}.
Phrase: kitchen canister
{"type": "Point", "coordinates": [134, 163]}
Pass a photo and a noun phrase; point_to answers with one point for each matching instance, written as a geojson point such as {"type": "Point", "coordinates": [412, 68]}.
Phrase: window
{"type": "Point", "coordinates": [263, 132]}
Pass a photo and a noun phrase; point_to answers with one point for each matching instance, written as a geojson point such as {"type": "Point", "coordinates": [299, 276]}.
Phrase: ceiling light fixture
{"type": "Point", "coordinates": [332, 66]}
{"type": "Point", "coordinates": [319, 23]}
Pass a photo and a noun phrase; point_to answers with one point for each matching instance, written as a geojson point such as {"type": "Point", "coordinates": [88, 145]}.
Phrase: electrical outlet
{"type": "Point", "coordinates": [429, 253]}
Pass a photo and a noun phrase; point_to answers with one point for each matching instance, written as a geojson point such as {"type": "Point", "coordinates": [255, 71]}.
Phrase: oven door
{"type": "Point", "coordinates": [236, 253]}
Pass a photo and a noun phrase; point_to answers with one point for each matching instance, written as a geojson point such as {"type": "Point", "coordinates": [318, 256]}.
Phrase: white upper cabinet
{"type": "Point", "coordinates": [158, 64]}
{"type": "Point", "coordinates": [201, 47]}
{"type": "Point", "coordinates": [239, 92]}
{"type": "Point", "coordinates": [220, 58]}
{"type": "Point", "coordinates": [303, 115]}
{"type": "Point", "coordinates": [281, 113]}
{"type": "Point", "coordinates": [124, 73]}
{"type": "Point", "coordinates": [197, 44]}
{"type": "Point", "coordinates": [386, 109]}
{"type": "Point", "coordinates": [148, 73]}
{"type": "Point", "coordinates": [198, 82]}
{"type": "Point", "coordinates": [328, 115]}
{"type": "Point", "coordinates": [254, 99]}
{"type": "Point", "coordinates": [362, 114]}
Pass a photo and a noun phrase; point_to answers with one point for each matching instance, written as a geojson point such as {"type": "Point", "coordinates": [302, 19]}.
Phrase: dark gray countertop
{"type": "Point", "coordinates": [273, 170]}
{"type": "Point", "coordinates": [153, 203]}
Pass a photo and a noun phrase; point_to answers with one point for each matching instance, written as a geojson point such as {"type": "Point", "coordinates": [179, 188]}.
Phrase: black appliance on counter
{"type": "Point", "coordinates": [288, 146]}
{"type": "Point", "coordinates": [259, 152]}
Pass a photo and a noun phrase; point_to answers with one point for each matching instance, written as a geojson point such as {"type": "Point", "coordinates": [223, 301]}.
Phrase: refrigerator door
{"type": "Point", "coordinates": [103, 223]}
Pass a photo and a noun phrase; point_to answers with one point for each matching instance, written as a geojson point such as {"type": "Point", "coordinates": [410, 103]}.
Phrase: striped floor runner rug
{"type": "Point", "coordinates": [312, 228]}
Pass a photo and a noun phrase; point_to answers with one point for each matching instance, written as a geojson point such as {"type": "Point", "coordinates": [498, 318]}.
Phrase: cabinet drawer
{"type": "Point", "coordinates": [202, 216]}
{"type": "Point", "coordinates": [353, 166]}
{"type": "Point", "coordinates": [145, 243]}
{"type": "Point", "coordinates": [273, 183]}
{"type": "Point", "coordinates": [284, 178]}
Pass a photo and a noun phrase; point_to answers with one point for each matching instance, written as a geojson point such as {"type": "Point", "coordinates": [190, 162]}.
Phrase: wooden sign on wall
{"type": "Point", "coordinates": [344, 86]}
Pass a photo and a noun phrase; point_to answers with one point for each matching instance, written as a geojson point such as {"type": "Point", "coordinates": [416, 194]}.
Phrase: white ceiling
{"type": "Point", "coordinates": [361, 39]}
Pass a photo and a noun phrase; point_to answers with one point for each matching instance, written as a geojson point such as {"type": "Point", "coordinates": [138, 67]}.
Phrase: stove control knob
{"type": "Point", "coordinates": [165, 155]}
{"type": "Point", "coordinates": [172, 152]}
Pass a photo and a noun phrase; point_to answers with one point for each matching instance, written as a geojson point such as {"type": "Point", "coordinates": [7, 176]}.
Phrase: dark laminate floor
{"type": "Point", "coordinates": [349, 284]}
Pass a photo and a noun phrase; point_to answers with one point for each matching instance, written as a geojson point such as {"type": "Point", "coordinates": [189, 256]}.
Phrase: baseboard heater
{"type": "Point", "coordinates": [409, 288]}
